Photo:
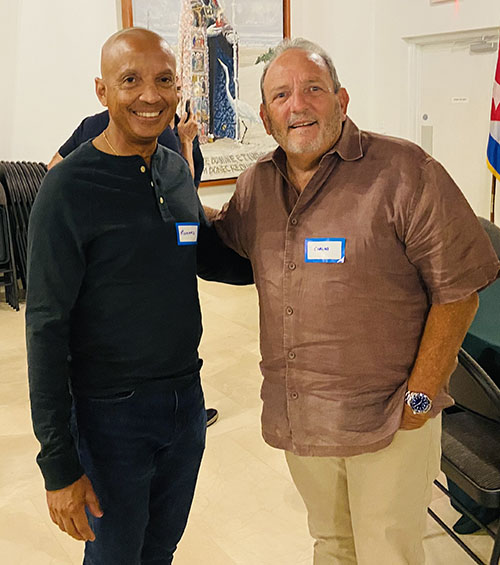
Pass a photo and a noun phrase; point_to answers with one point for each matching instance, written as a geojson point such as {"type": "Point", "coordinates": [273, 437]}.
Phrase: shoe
{"type": "Point", "coordinates": [212, 416]}
{"type": "Point", "coordinates": [465, 525]}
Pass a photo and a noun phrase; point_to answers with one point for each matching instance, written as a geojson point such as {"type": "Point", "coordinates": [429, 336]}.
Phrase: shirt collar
{"type": "Point", "coordinates": [349, 147]}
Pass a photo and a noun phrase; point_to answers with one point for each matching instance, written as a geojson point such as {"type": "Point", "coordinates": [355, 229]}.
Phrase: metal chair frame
{"type": "Point", "coordinates": [476, 394]}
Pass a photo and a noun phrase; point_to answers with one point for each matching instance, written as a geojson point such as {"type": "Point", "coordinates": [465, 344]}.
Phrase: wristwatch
{"type": "Point", "coordinates": [419, 402]}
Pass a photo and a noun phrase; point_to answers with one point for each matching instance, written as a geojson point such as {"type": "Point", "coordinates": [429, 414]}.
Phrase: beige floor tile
{"type": "Point", "coordinates": [15, 418]}
{"type": "Point", "coordinates": [438, 544]}
{"type": "Point", "coordinates": [27, 539]}
{"type": "Point", "coordinates": [247, 507]}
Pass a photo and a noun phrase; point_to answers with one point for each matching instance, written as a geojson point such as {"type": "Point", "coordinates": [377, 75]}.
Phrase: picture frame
{"type": "Point", "coordinates": [221, 48]}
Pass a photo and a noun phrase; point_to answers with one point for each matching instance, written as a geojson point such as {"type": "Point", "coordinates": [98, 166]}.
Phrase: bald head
{"type": "Point", "coordinates": [137, 86]}
{"type": "Point", "coordinates": [130, 39]}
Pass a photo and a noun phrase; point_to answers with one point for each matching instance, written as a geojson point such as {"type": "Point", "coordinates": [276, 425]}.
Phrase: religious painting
{"type": "Point", "coordinates": [221, 48]}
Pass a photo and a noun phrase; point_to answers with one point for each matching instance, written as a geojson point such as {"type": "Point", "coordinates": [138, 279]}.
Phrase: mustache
{"type": "Point", "coordinates": [297, 117]}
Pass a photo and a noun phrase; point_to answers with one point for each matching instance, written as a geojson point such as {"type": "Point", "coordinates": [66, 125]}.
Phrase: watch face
{"type": "Point", "coordinates": [419, 402]}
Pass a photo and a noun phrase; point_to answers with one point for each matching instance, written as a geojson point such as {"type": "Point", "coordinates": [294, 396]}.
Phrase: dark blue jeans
{"type": "Point", "coordinates": [141, 451]}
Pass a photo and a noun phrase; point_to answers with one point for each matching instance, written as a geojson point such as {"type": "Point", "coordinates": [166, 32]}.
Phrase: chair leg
{"type": "Point", "coordinates": [455, 538]}
{"type": "Point", "coordinates": [495, 556]}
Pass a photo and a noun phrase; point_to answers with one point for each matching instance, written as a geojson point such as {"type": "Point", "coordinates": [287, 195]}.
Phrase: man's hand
{"type": "Point", "coordinates": [67, 508]}
{"type": "Point", "coordinates": [411, 421]}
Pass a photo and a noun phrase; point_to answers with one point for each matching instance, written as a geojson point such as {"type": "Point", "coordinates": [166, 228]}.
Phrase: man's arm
{"type": "Point", "coordinates": [217, 261]}
{"type": "Point", "coordinates": [57, 158]}
{"type": "Point", "coordinates": [56, 266]}
{"type": "Point", "coordinates": [88, 128]}
{"type": "Point", "coordinates": [444, 332]}
{"type": "Point", "coordinates": [187, 128]}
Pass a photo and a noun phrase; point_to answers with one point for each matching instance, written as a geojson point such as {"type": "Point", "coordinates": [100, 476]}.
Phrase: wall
{"type": "Point", "coordinates": [56, 56]}
{"type": "Point", "coordinates": [8, 64]}
{"type": "Point", "coordinates": [397, 19]}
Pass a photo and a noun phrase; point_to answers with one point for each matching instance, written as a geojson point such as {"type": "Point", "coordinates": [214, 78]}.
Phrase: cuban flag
{"type": "Point", "coordinates": [493, 151]}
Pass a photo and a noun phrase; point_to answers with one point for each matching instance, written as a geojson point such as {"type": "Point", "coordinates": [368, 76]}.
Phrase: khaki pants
{"type": "Point", "coordinates": [371, 508]}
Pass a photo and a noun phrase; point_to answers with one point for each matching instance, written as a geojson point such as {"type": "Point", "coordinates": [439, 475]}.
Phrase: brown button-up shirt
{"type": "Point", "coordinates": [339, 340]}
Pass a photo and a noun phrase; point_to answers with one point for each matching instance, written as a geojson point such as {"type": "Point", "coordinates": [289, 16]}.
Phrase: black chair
{"type": "Point", "coordinates": [493, 232]}
{"type": "Point", "coordinates": [471, 445]}
{"type": "Point", "coordinates": [8, 276]}
{"type": "Point", "coordinates": [20, 181]}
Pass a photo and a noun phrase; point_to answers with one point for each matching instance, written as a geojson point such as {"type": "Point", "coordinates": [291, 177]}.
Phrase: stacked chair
{"type": "Point", "coordinates": [8, 273]}
{"type": "Point", "coordinates": [471, 446]}
{"type": "Point", "coordinates": [471, 434]}
{"type": "Point", "coordinates": [19, 183]}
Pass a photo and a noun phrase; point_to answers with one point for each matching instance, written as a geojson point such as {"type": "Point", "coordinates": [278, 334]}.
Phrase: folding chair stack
{"type": "Point", "coordinates": [19, 182]}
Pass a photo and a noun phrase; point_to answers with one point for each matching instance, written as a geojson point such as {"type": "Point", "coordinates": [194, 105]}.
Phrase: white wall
{"type": "Point", "coordinates": [404, 18]}
{"type": "Point", "coordinates": [8, 64]}
{"type": "Point", "coordinates": [56, 47]}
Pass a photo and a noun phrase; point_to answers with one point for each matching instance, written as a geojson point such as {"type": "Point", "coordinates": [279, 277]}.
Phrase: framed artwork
{"type": "Point", "coordinates": [221, 48]}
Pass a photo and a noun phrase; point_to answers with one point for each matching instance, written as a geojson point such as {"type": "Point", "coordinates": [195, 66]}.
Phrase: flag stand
{"type": "Point", "coordinates": [492, 202]}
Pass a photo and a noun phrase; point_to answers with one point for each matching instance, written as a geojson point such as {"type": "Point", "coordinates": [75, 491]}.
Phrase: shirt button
{"type": "Point", "coordinates": [293, 221]}
{"type": "Point", "coordinates": [143, 169]}
{"type": "Point", "coordinates": [292, 266]}
{"type": "Point", "coordinates": [291, 355]}
{"type": "Point", "coordinates": [294, 395]}
{"type": "Point", "coordinates": [289, 310]}
{"type": "Point", "coordinates": [161, 200]}
{"type": "Point", "coordinates": [152, 183]}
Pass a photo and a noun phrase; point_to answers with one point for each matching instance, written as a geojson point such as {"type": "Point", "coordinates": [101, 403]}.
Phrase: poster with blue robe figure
{"type": "Point", "coordinates": [221, 48]}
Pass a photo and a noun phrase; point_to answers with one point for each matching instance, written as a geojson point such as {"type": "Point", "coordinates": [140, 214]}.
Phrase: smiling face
{"type": "Point", "coordinates": [138, 88]}
{"type": "Point", "coordinates": [301, 110]}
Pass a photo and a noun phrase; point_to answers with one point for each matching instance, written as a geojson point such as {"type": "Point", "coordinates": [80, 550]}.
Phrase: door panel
{"type": "Point", "coordinates": [455, 97]}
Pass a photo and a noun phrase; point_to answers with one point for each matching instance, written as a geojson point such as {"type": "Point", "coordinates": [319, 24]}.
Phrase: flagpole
{"type": "Point", "coordinates": [492, 202]}
{"type": "Point", "coordinates": [493, 149]}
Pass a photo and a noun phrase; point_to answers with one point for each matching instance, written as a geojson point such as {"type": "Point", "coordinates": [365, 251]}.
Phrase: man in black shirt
{"type": "Point", "coordinates": [178, 135]}
{"type": "Point", "coordinates": [113, 320]}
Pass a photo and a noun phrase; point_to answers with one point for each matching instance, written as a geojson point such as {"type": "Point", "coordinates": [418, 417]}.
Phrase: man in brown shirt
{"type": "Point", "coordinates": [367, 259]}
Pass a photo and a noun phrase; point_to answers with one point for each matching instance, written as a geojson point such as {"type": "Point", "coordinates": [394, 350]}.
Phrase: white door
{"type": "Point", "coordinates": [454, 115]}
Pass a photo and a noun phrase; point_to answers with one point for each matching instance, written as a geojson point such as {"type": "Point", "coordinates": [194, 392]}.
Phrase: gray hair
{"type": "Point", "coordinates": [304, 45]}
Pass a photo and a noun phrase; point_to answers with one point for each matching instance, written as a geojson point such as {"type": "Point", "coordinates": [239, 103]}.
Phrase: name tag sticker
{"type": "Point", "coordinates": [187, 233]}
{"type": "Point", "coordinates": [325, 250]}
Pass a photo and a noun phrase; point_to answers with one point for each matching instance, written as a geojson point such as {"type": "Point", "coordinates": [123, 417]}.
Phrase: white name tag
{"type": "Point", "coordinates": [325, 250]}
{"type": "Point", "coordinates": [187, 233]}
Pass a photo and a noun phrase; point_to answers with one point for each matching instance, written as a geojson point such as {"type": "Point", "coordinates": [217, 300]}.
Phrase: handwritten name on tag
{"type": "Point", "coordinates": [187, 233]}
{"type": "Point", "coordinates": [325, 250]}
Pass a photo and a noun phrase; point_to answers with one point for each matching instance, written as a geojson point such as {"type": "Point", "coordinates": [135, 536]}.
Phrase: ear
{"type": "Point", "coordinates": [100, 90]}
{"type": "Point", "coordinates": [343, 97]}
{"type": "Point", "coordinates": [265, 118]}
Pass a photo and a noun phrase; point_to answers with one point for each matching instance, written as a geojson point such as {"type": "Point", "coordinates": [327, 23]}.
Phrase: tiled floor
{"type": "Point", "coordinates": [246, 510]}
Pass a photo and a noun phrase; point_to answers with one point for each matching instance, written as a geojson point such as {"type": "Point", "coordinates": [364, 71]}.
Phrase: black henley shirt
{"type": "Point", "coordinates": [112, 298]}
